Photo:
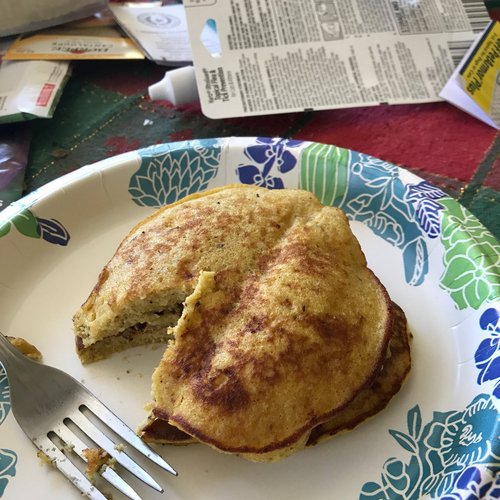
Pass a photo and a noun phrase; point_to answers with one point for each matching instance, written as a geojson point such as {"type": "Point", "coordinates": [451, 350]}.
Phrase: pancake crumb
{"type": "Point", "coordinates": [96, 458]}
{"type": "Point", "coordinates": [25, 348]}
{"type": "Point", "coordinates": [45, 459]}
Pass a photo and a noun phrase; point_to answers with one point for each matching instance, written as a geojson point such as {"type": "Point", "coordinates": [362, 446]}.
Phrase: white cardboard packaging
{"type": "Point", "coordinates": [30, 89]}
{"type": "Point", "coordinates": [285, 56]}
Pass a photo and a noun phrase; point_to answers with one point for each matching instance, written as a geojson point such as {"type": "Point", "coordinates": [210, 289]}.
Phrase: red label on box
{"type": "Point", "coordinates": [45, 93]}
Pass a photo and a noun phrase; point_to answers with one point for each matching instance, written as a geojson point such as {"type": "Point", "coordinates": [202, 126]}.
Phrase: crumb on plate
{"type": "Point", "coordinates": [26, 348]}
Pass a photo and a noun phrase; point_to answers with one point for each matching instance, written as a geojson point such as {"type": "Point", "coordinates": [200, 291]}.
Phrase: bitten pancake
{"type": "Point", "coordinates": [247, 353]}
{"type": "Point", "coordinates": [141, 290]}
{"type": "Point", "coordinates": [367, 403]}
{"type": "Point", "coordinates": [276, 299]}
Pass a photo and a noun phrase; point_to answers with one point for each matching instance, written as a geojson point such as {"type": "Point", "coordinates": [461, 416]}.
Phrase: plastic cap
{"type": "Point", "coordinates": [177, 86]}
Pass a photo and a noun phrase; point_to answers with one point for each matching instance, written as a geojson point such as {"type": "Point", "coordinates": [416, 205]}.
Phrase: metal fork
{"type": "Point", "coordinates": [45, 400]}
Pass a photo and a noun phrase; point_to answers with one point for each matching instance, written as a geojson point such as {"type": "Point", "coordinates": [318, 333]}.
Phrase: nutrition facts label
{"type": "Point", "coordinates": [293, 55]}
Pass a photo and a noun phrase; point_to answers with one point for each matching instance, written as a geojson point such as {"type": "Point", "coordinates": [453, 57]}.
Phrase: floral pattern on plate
{"type": "Point", "coordinates": [470, 253]}
{"type": "Point", "coordinates": [455, 447]}
{"type": "Point", "coordinates": [28, 224]}
{"type": "Point", "coordinates": [440, 452]}
{"type": "Point", "coordinates": [471, 258]}
{"type": "Point", "coordinates": [170, 172]}
{"type": "Point", "coordinates": [369, 191]}
{"type": "Point", "coordinates": [475, 483]}
{"type": "Point", "coordinates": [268, 159]}
{"type": "Point", "coordinates": [487, 355]}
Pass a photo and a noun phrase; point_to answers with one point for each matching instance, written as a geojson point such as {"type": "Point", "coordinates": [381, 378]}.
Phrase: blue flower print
{"type": "Point", "coordinates": [487, 356]}
{"type": "Point", "coordinates": [8, 461]}
{"type": "Point", "coordinates": [475, 483]}
{"type": "Point", "coordinates": [269, 157]}
{"type": "Point", "coordinates": [376, 197]}
{"type": "Point", "coordinates": [424, 195]}
{"type": "Point", "coordinates": [440, 453]}
{"type": "Point", "coordinates": [250, 174]}
{"type": "Point", "coordinates": [169, 172]}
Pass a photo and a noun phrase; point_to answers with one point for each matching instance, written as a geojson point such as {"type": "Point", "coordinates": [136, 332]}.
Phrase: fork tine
{"type": "Point", "coordinates": [104, 442]}
{"type": "Point", "coordinates": [113, 478]}
{"type": "Point", "coordinates": [78, 446]}
{"type": "Point", "coordinates": [44, 444]}
{"type": "Point", "coordinates": [111, 420]}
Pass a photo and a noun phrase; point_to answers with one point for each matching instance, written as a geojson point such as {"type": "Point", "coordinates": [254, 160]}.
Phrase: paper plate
{"type": "Point", "coordinates": [438, 438]}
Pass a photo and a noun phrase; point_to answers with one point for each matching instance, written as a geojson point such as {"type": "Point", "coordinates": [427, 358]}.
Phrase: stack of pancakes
{"type": "Point", "coordinates": [278, 333]}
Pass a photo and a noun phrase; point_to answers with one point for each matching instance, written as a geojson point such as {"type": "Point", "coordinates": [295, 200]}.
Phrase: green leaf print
{"type": "Point", "coordinates": [4, 228]}
{"type": "Point", "coordinates": [324, 172]}
{"type": "Point", "coordinates": [26, 223]}
{"type": "Point", "coordinates": [471, 258]}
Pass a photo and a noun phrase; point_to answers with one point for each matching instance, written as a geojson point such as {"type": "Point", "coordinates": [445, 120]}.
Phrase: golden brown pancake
{"type": "Point", "coordinates": [141, 290]}
{"type": "Point", "coordinates": [276, 299]}
{"type": "Point", "coordinates": [374, 398]}
{"type": "Point", "coordinates": [367, 403]}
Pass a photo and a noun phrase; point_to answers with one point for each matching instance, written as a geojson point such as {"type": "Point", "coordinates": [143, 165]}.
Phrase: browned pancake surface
{"type": "Point", "coordinates": [374, 398]}
{"type": "Point", "coordinates": [262, 356]}
{"type": "Point", "coordinates": [367, 403]}
{"type": "Point", "coordinates": [283, 322]}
